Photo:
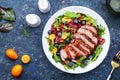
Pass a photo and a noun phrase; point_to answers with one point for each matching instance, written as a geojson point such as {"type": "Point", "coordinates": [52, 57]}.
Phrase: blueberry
{"type": "Point", "coordinates": [49, 32]}
{"type": "Point", "coordinates": [85, 62]}
{"type": "Point", "coordinates": [75, 21]}
{"type": "Point", "coordinates": [83, 22]}
{"type": "Point", "coordinates": [56, 44]}
{"type": "Point", "coordinates": [70, 63]}
{"type": "Point", "coordinates": [66, 23]}
{"type": "Point", "coordinates": [90, 57]}
{"type": "Point", "coordinates": [59, 34]}
{"type": "Point", "coordinates": [58, 53]}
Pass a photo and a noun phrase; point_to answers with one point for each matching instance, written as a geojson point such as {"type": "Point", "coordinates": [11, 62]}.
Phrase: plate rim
{"type": "Point", "coordinates": [58, 12]}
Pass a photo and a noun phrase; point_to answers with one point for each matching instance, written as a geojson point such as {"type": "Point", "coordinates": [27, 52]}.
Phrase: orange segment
{"type": "Point", "coordinates": [54, 50]}
{"type": "Point", "coordinates": [25, 58]}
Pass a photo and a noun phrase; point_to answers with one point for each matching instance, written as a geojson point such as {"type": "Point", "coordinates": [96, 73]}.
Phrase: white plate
{"type": "Point", "coordinates": [84, 10]}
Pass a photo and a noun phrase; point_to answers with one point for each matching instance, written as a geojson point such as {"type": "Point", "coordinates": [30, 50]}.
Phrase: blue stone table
{"type": "Point", "coordinates": [40, 68]}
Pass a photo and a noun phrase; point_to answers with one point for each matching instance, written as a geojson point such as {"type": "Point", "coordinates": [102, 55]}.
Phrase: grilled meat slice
{"type": "Point", "coordinates": [82, 44]}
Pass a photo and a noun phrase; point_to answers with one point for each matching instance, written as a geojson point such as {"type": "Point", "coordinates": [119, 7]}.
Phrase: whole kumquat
{"type": "Point", "coordinates": [11, 53]}
{"type": "Point", "coordinates": [16, 70]}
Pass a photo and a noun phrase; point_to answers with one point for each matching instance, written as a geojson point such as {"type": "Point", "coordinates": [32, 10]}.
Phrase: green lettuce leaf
{"type": "Point", "coordinates": [97, 52]}
{"type": "Point", "coordinates": [69, 14]}
{"type": "Point", "coordinates": [56, 58]}
{"type": "Point", "coordinates": [7, 14]}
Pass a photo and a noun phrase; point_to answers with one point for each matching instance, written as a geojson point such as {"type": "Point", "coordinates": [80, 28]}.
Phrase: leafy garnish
{"type": "Point", "coordinates": [61, 45]}
{"type": "Point", "coordinates": [70, 36]}
{"type": "Point", "coordinates": [6, 27]}
{"type": "Point", "coordinates": [96, 52]}
{"type": "Point", "coordinates": [7, 14]}
{"type": "Point", "coordinates": [81, 59]}
{"type": "Point", "coordinates": [51, 46]}
{"type": "Point", "coordinates": [88, 17]}
{"type": "Point", "coordinates": [26, 33]}
{"type": "Point", "coordinates": [56, 58]}
{"type": "Point", "coordinates": [101, 30]}
{"type": "Point", "coordinates": [58, 21]}
{"type": "Point", "coordinates": [67, 28]}
{"type": "Point", "coordinates": [48, 40]}
{"type": "Point", "coordinates": [69, 14]}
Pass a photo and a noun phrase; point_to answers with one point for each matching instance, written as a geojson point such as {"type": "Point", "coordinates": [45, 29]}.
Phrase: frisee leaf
{"type": "Point", "coordinates": [101, 30]}
{"type": "Point", "coordinates": [69, 14]}
{"type": "Point", "coordinates": [6, 27]}
{"type": "Point", "coordinates": [7, 14]}
{"type": "Point", "coordinates": [26, 33]}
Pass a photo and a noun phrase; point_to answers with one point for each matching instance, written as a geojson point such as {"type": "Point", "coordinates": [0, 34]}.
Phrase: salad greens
{"type": "Point", "coordinates": [58, 21]}
{"type": "Point", "coordinates": [97, 52]}
{"type": "Point", "coordinates": [51, 47]}
{"type": "Point", "coordinates": [101, 30]}
{"type": "Point", "coordinates": [26, 33]}
{"type": "Point", "coordinates": [7, 14]}
{"type": "Point", "coordinates": [56, 58]}
{"type": "Point", "coordinates": [6, 27]}
{"type": "Point", "coordinates": [67, 28]}
{"type": "Point", "coordinates": [70, 15]}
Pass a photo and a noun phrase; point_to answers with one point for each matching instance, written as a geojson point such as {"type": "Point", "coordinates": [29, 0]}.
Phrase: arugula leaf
{"type": "Point", "coordinates": [58, 21]}
{"type": "Point", "coordinates": [71, 36]}
{"type": "Point", "coordinates": [88, 17]}
{"type": "Point", "coordinates": [101, 30]}
{"type": "Point", "coordinates": [69, 14]}
{"type": "Point", "coordinates": [26, 33]}
{"type": "Point", "coordinates": [81, 59]}
{"type": "Point", "coordinates": [60, 46]}
{"type": "Point", "coordinates": [51, 46]}
{"type": "Point", "coordinates": [56, 58]}
{"type": "Point", "coordinates": [7, 14]}
{"type": "Point", "coordinates": [48, 40]}
{"type": "Point", "coordinates": [97, 52]}
{"type": "Point", "coordinates": [6, 27]}
{"type": "Point", "coordinates": [56, 25]}
{"type": "Point", "coordinates": [67, 28]}
{"type": "Point", "coordinates": [65, 67]}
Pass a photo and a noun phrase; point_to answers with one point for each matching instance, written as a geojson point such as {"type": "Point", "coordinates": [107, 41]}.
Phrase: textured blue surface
{"type": "Point", "coordinates": [40, 68]}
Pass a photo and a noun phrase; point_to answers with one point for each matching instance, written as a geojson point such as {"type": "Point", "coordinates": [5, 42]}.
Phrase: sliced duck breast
{"type": "Point", "coordinates": [77, 50]}
{"type": "Point", "coordinates": [82, 44]}
{"type": "Point", "coordinates": [89, 34]}
{"type": "Point", "coordinates": [77, 35]}
{"type": "Point", "coordinates": [92, 28]}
